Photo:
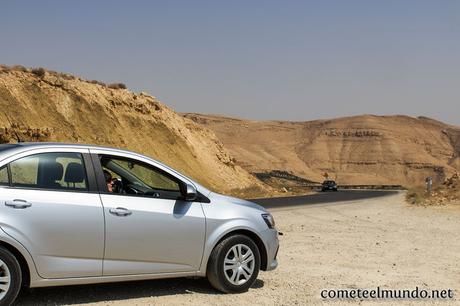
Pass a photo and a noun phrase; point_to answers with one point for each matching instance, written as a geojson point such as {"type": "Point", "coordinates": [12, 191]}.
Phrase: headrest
{"type": "Point", "coordinates": [74, 173]}
{"type": "Point", "coordinates": [54, 171]}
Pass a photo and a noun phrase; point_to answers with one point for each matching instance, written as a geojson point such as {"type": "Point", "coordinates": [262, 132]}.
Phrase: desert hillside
{"type": "Point", "coordinates": [40, 105]}
{"type": "Point", "coordinates": [354, 150]}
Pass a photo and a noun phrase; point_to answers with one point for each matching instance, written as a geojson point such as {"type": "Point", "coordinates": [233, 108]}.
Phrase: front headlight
{"type": "Point", "coordinates": [269, 220]}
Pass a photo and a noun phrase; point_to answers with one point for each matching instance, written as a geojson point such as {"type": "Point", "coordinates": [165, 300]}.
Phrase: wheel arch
{"type": "Point", "coordinates": [254, 237]}
{"type": "Point", "coordinates": [25, 270]}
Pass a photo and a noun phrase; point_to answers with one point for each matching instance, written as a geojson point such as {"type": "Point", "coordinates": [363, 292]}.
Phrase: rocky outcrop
{"type": "Point", "coordinates": [447, 192]}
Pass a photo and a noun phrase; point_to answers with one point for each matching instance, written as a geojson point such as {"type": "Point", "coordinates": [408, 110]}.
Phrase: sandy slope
{"type": "Point", "coordinates": [353, 150]}
{"type": "Point", "coordinates": [380, 242]}
{"type": "Point", "coordinates": [61, 107]}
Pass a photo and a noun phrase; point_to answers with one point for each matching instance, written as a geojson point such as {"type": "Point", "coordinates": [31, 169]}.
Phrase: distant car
{"type": "Point", "coordinates": [329, 186]}
{"type": "Point", "coordinates": [75, 214]}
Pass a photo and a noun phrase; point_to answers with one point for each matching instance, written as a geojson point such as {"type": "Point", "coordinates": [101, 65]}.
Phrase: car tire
{"type": "Point", "coordinates": [231, 268]}
{"type": "Point", "coordinates": [10, 277]}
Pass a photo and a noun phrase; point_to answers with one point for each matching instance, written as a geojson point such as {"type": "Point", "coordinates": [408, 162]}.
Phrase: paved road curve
{"type": "Point", "coordinates": [323, 197]}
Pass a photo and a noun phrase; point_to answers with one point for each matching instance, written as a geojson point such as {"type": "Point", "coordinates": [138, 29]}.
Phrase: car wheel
{"type": "Point", "coordinates": [10, 277]}
{"type": "Point", "coordinates": [234, 264]}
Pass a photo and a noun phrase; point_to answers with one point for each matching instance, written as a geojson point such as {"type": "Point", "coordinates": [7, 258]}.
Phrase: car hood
{"type": "Point", "coordinates": [236, 201]}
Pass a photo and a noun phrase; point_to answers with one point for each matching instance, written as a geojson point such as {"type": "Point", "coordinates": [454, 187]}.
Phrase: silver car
{"type": "Point", "coordinates": [78, 214]}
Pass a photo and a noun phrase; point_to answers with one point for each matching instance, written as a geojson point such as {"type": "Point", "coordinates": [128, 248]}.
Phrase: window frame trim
{"type": "Point", "coordinates": [101, 180]}
{"type": "Point", "coordinates": [8, 173]}
{"type": "Point", "coordinates": [87, 164]}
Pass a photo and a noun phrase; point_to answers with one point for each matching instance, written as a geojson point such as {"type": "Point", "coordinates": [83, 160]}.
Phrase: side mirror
{"type": "Point", "coordinates": [190, 193]}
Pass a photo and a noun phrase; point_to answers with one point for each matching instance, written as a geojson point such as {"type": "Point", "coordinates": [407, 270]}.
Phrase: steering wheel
{"type": "Point", "coordinates": [131, 189]}
{"type": "Point", "coordinates": [117, 185]}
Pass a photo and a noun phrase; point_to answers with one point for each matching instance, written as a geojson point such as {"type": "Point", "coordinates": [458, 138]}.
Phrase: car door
{"type": "Point", "coordinates": [50, 204]}
{"type": "Point", "coordinates": [148, 230]}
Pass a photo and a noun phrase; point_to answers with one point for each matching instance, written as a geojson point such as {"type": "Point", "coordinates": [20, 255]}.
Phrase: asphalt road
{"type": "Point", "coordinates": [323, 197]}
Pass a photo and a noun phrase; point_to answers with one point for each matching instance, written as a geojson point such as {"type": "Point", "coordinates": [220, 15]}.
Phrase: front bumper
{"type": "Point", "coordinates": [271, 242]}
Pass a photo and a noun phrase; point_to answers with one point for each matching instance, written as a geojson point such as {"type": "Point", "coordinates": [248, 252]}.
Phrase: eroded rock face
{"type": "Point", "coordinates": [50, 106]}
{"type": "Point", "coordinates": [17, 133]}
{"type": "Point", "coordinates": [354, 150]}
{"type": "Point", "coordinates": [352, 133]}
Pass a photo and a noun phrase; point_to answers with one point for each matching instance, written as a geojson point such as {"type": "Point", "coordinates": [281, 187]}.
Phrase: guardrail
{"type": "Point", "coordinates": [385, 187]}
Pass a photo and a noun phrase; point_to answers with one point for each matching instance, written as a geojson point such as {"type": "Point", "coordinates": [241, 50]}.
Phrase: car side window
{"type": "Point", "coordinates": [4, 179]}
{"type": "Point", "coordinates": [55, 171]}
{"type": "Point", "coordinates": [128, 176]}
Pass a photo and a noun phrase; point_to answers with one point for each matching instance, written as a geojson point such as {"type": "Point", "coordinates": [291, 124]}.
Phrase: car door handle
{"type": "Point", "coordinates": [17, 203]}
{"type": "Point", "coordinates": [120, 211]}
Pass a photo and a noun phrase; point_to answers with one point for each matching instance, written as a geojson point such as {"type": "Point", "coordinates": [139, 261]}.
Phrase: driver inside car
{"type": "Point", "coordinates": [108, 180]}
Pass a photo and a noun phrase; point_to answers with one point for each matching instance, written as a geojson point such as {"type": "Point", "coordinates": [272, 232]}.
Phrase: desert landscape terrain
{"type": "Point", "coordinates": [364, 149]}
{"type": "Point", "coordinates": [232, 156]}
{"type": "Point", "coordinates": [386, 241]}
{"type": "Point", "coordinates": [360, 244]}
{"type": "Point", "coordinates": [319, 140]}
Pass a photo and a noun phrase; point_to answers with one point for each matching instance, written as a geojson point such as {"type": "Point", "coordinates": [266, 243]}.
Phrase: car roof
{"type": "Point", "coordinates": [60, 144]}
{"type": "Point", "coordinates": [30, 145]}
{"type": "Point", "coordinates": [6, 148]}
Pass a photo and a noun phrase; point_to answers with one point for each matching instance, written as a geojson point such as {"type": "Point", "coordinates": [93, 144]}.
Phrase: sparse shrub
{"type": "Point", "coordinates": [98, 83]}
{"type": "Point", "coordinates": [117, 86]}
{"type": "Point", "coordinates": [67, 76]}
{"type": "Point", "coordinates": [416, 195]}
{"type": "Point", "coordinates": [57, 74]}
{"type": "Point", "coordinates": [19, 68]}
{"type": "Point", "coordinates": [40, 72]}
{"type": "Point", "coordinates": [53, 73]}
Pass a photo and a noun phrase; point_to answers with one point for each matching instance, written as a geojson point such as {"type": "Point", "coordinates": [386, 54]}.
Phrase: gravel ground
{"type": "Point", "coordinates": [364, 244]}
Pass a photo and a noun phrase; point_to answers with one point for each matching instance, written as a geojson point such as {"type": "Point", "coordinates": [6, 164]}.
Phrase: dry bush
{"type": "Point", "coordinates": [416, 195]}
{"type": "Point", "coordinates": [20, 68]}
{"type": "Point", "coordinates": [4, 68]}
{"type": "Point", "coordinates": [40, 72]}
{"type": "Point", "coordinates": [117, 86]}
{"type": "Point", "coordinates": [98, 83]}
{"type": "Point", "coordinates": [61, 75]}
{"type": "Point", "coordinates": [67, 76]}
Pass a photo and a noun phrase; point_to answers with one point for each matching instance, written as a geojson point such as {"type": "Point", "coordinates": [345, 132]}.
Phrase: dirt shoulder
{"type": "Point", "coordinates": [380, 242]}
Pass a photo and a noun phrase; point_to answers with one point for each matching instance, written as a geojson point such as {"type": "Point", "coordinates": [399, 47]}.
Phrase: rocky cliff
{"type": "Point", "coordinates": [41, 105]}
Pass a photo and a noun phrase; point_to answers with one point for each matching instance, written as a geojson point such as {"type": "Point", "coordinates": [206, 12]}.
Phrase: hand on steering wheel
{"type": "Point", "coordinates": [117, 186]}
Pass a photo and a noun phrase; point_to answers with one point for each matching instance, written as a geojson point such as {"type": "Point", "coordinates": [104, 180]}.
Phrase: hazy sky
{"type": "Point", "coordinates": [289, 60]}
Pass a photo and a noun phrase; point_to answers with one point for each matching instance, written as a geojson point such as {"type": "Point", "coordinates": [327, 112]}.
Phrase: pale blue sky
{"type": "Point", "coordinates": [286, 60]}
